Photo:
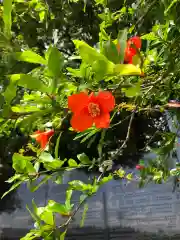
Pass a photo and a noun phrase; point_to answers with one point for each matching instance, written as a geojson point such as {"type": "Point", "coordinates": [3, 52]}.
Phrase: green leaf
{"type": "Point", "coordinates": [129, 176]}
{"type": "Point", "coordinates": [122, 39]}
{"type": "Point", "coordinates": [84, 215]}
{"type": "Point", "coordinates": [34, 214]}
{"type": "Point", "coordinates": [62, 236]}
{"type": "Point", "coordinates": [44, 180]}
{"type": "Point", "coordinates": [136, 60]}
{"type": "Point", "coordinates": [30, 56]}
{"type": "Point", "coordinates": [13, 178]}
{"type": "Point", "coordinates": [14, 186]}
{"type": "Point", "coordinates": [56, 207]}
{"type": "Point", "coordinates": [47, 217]}
{"type": "Point", "coordinates": [74, 72]}
{"type": "Point", "coordinates": [4, 41]}
{"type": "Point", "coordinates": [26, 108]}
{"type": "Point", "coordinates": [83, 197]}
{"type": "Point", "coordinates": [33, 234]}
{"type": "Point", "coordinates": [58, 179]}
{"type": "Point", "coordinates": [170, 6]}
{"type": "Point", "coordinates": [49, 162]}
{"type": "Point", "coordinates": [57, 146]}
{"type": "Point", "coordinates": [68, 200]}
{"type": "Point", "coordinates": [111, 52]}
{"type": "Point", "coordinates": [10, 92]}
{"type": "Point", "coordinates": [84, 159]}
{"type": "Point", "coordinates": [72, 163]}
{"type": "Point", "coordinates": [127, 69]}
{"type": "Point", "coordinates": [46, 157]}
{"type": "Point", "coordinates": [90, 134]}
{"type": "Point", "coordinates": [87, 53]}
{"type": "Point", "coordinates": [55, 62]}
{"type": "Point", "coordinates": [30, 168]}
{"type": "Point", "coordinates": [106, 179]}
{"type": "Point", "coordinates": [27, 81]}
{"type": "Point", "coordinates": [149, 36]}
{"type": "Point", "coordinates": [7, 9]}
{"type": "Point", "coordinates": [121, 173]}
{"type": "Point", "coordinates": [20, 162]}
{"type": "Point", "coordinates": [80, 186]}
{"type": "Point", "coordinates": [133, 91]}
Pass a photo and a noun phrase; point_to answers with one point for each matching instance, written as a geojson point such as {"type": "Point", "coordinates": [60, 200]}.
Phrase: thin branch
{"type": "Point", "coordinates": [127, 136]}
{"type": "Point", "coordinates": [66, 224]}
{"type": "Point", "coordinates": [140, 20]}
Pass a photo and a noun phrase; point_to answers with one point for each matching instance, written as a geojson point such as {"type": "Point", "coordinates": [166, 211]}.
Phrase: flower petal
{"type": "Point", "coordinates": [106, 101]}
{"type": "Point", "coordinates": [77, 102]}
{"type": "Point", "coordinates": [129, 53]}
{"type": "Point", "coordinates": [42, 139]}
{"type": "Point", "coordinates": [49, 133]}
{"type": "Point", "coordinates": [102, 121]}
{"type": "Point", "coordinates": [80, 122]}
{"type": "Point", "coordinates": [136, 41]}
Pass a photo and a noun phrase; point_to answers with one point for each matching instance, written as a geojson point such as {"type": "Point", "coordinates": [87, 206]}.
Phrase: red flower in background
{"type": "Point", "coordinates": [139, 167]}
{"type": "Point", "coordinates": [133, 44]}
{"type": "Point", "coordinates": [92, 109]}
{"type": "Point", "coordinates": [43, 137]}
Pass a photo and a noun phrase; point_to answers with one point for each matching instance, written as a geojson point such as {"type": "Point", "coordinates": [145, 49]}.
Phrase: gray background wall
{"type": "Point", "coordinates": [118, 205]}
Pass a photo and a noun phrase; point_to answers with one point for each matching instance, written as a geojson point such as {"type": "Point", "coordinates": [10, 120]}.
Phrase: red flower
{"type": "Point", "coordinates": [92, 109]}
{"type": "Point", "coordinates": [133, 44]}
{"type": "Point", "coordinates": [139, 167]}
{"type": "Point", "coordinates": [43, 137]}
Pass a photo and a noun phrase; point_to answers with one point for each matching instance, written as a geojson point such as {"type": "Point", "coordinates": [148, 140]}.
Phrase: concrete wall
{"type": "Point", "coordinates": [118, 205]}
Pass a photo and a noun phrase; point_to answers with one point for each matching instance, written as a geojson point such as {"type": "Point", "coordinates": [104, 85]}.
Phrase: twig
{"type": "Point", "coordinates": [66, 224]}
{"type": "Point", "coordinates": [121, 121]}
{"type": "Point", "coordinates": [127, 136]}
{"type": "Point", "coordinates": [140, 20]}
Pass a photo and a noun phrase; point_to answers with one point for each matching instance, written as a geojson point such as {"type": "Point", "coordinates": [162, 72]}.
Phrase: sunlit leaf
{"type": "Point", "coordinates": [84, 215]}
{"type": "Point", "coordinates": [127, 69]}
{"type": "Point", "coordinates": [56, 207]}
{"type": "Point", "coordinates": [87, 53]}
{"type": "Point", "coordinates": [121, 44]}
{"type": "Point", "coordinates": [49, 162]}
{"type": "Point", "coordinates": [44, 180]}
{"type": "Point", "coordinates": [30, 56]}
{"type": "Point", "coordinates": [33, 234]}
{"type": "Point", "coordinates": [47, 217]}
{"type": "Point", "coordinates": [62, 236]}
{"type": "Point", "coordinates": [14, 186]}
{"type": "Point", "coordinates": [84, 159]}
{"type": "Point", "coordinates": [27, 81]}
{"type": "Point", "coordinates": [20, 162]}
{"type": "Point", "coordinates": [79, 185]}
{"type": "Point", "coordinates": [7, 9]}
{"type": "Point", "coordinates": [68, 200]}
{"type": "Point", "coordinates": [13, 178]}
{"type": "Point", "coordinates": [72, 163]}
{"type": "Point", "coordinates": [55, 62]}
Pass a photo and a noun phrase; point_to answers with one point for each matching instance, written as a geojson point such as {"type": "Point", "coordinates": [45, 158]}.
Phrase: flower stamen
{"type": "Point", "coordinates": [94, 109]}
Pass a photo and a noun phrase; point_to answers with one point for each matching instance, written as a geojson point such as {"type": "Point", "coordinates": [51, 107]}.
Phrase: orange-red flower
{"type": "Point", "coordinates": [43, 137]}
{"type": "Point", "coordinates": [133, 44]}
{"type": "Point", "coordinates": [91, 109]}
